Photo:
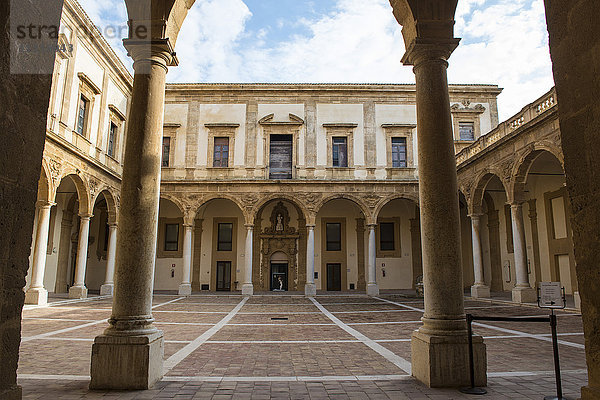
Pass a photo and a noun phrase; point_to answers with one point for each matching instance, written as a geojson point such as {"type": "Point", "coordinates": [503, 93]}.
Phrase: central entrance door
{"type": "Point", "coordinates": [279, 279]}
{"type": "Point", "coordinates": [280, 159]}
{"type": "Point", "coordinates": [334, 277]}
{"type": "Point", "coordinates": [224, 276]}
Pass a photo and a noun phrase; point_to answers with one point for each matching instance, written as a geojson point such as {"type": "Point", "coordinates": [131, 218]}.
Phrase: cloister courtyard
{"type": "Point", "coordinates": [342, 346]}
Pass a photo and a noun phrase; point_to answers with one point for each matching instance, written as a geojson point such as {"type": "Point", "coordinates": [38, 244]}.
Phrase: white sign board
{"type": "Point", "coordinates": [551, 295]}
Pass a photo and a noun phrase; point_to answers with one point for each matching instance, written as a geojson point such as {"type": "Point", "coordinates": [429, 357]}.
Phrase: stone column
{"type": "Point", "coordinates": [360, 254]}
{"type": "Point", "coordinates": [310, 289]}
{"type": "Point", "coordinates": [440, 347]}
{"type": "Point", "coordinates": [132, 339]}
{"type": "Point", "coordinates": [372, 288]}
{"type": "Point", "coordinates": [479, 288]}
{"type": "Point", "coordinates": [78, 290]}
{"type": "Point", "coordinates": [248, 288]}
{"type": "Point", "coordinates": [108, 287]}
{"type": "Point", "coordinates": [185, 289]}
{"type": "Point", "coordinates": [522, 292]}
{"type": "Point", "coordinates": [37, 294]}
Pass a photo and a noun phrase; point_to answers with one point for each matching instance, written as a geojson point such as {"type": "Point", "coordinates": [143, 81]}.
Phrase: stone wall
{"type": "Point", "coordinates": [24, 100]}
{"type": "Point", "coordinates": [575, 51]}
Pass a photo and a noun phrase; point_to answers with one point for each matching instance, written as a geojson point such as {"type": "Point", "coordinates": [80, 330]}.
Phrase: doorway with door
{"type": "Point", "coordinates": [279, 277]}
{"type": "Point", "coordinates": [334, 277]}
{"type": "Point", "coordinates": [223, 276]}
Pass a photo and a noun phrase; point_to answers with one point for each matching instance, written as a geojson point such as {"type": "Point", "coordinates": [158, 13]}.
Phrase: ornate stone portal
{"type": "Point", "coordinates": [279, 237]}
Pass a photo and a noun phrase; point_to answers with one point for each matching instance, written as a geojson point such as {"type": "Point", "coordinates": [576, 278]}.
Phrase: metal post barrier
{"type": "Point", "coordinates": [553, 325]}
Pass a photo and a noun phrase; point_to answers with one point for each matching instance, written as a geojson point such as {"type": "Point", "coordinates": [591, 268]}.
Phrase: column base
{"type": "Point", "coordinates": [107, 289]}
{"type": "Point", "coordinates": [480, 291]}
{"type": "Point", "coordinates": [78, 292]}
{"type": "Point", "coordinates": [37, 296]}
{"type": "Point", "coordinates": [443, 361]}
{"type": "Point", "coordinates": [185, 289]}
{"type": "Point", "coordinates": [14, 393]}
{"type": "Point", "coordinates": [524, 295]}
{"type": "Point", "coordinates": [577, 300]}
{"type": "Point", "coordinates": [590, 393]}
{"type": "Point", "coordinates": [310, 290]}
{"type": "Point", "coordinates": [247, 289]}
{"type": "Point", "coordinates": [127, 362]}
{"type": "Point", "coordinates": [372, 289]}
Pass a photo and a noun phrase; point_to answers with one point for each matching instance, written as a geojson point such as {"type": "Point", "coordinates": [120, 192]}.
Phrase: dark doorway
{"type": "Point", "coordinates": [280, 159]}
{"type": "Point", "coordinates": [224, 276]}
{"type": "Point", "coordinates": [279, 278]}
{"type": "Point", "coordinates": [334, 277]}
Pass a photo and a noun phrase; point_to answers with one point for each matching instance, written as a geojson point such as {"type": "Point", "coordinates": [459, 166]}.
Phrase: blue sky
{"type": "Point", "coordinates": [504, 42]}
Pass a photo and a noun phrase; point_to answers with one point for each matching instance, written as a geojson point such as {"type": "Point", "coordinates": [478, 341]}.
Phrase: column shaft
{"type": "Point", "coordinates": [37, 294]}
{"type": "Point", "coordinates": [523, 292]}
{"type": "Point", "coordinates": [310, 288]}
{"type": "Point", "coordinates": [372, 287]}
{"type": "Point", "coordinates": [248, 288]}
{"type": "Point", "coordinates": [479, 288]}
{"type": "Point", "coordinates": [78, 290]}
{"type": "Point", "coordinates": [185, 289]}
{"type": "Point", "coordinates": [107, 288]}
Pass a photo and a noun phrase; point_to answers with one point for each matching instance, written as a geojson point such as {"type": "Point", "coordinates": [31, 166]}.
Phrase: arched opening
{"type": "Point", "coordinates": [168, 272]}
{"type": "Point", "coordinates": [341, 246]}
{"type": "Point", "coordinates": [279, 247]}
{"type": "Point", "coordinates": [218, 246]}
{"type": "Point", "coordinates": [398, 245]}
{"type": "Point", "coordinates": [547, 210]}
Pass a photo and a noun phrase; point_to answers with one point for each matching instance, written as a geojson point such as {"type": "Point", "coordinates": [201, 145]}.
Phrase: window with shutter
{"type": "Point", "coordinates": [221, 152]}
{"type": "Point", "coordinates": [399, 152]}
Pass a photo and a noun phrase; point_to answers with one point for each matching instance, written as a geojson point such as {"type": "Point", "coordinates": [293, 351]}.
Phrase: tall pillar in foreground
{"type": "Point", "coordinates": [248, 288]}
{"type": "Point", "coordinates": [440, 347]}
{"type": "Point", "coordinates": [78, 290]}
{"type": "Point", "coordinates": [479, 288]}
{"type": "Point", "coordinates": [522, 292]}
{"type": "Point", "coordinates": [129, 355]}
{"type": "Point", "coordinates": [372, 288]}
{"type": "Point", "coordinates": [107, 288]}
{"type": "Point", "coordinates": [185, 288]}
{"type": "Point", "coordinates": [37, 294]}
{"type": "Point", "coordinates": [310, 289]}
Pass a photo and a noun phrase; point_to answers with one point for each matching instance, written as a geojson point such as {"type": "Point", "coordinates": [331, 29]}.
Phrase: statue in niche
{"type": "Point", "coordinates": [279, 225]}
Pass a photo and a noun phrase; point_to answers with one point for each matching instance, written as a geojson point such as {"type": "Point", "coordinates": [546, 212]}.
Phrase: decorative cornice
{"type": "Point", "coordinates": [86, 79]}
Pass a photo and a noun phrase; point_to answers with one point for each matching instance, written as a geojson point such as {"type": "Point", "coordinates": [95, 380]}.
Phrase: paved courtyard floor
{"type": "Point", "coordinates": [292, 347]}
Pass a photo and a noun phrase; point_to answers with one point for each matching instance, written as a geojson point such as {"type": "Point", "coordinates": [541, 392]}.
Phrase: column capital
{"type": "Point", "coordinates": [372, 226]}
{"type": "Point", "coordinates": [86, 216]}
{"type": "Point", "coordinates": [155, 51]}
{"type": "Point", "coordinates": [113, 225]}
{"type": "Point", "coordinates": [310, 226]}
{"type": "Point", "coordinates": [476, 215]}
{"type": "Point", "coordinates": [249, 227]}
{"type": "Point", "coordinates": [516, 204]}
{"type": "Point", "coordinates": [423, 50]}
{"type": "Point", "coordinates": [44, 204]}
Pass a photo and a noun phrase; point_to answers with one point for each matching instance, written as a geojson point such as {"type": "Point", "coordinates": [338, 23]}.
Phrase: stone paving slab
{"type": "Point", "coordinates": [182, 332]}
{"type": "Point", "coordinates": [195, 307]}
{"type": "Point", "coordinates": [36, 327]}
{"type": "Point", "coordinates": [55, 357]}
{"type": "Point", "coordinates": [360, 307]}
{"type": "Point", "coordinates": [511, 388]}
{"type": "Point", "coordinates": [188, 317]}
{"type": "Point", "coordinates": [279, 308]}
{"type": "Point", "coordinates": [337, 359]}
{"type": "Point", "coordinates": [391, 331]}
{"type": "Point", "coordinates": [292, 319]}
{"type": "Point", "coordinates": [380, 317]}
{"type": "Point", "coordinates": [292, 332]}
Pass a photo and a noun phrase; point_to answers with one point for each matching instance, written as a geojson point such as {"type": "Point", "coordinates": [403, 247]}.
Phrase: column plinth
{"type": "Point", "coordinates": [129, 355]}
{"type": "Point", "coordinates": [440, 356]}
{"type": "Point", "coordinates": [372, 287]}
{"type": "Point", "coordinates": [310, 289]}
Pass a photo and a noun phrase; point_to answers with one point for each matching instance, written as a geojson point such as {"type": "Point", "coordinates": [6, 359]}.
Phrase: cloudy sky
{"type": "Point", "coordinates": [504, 42]}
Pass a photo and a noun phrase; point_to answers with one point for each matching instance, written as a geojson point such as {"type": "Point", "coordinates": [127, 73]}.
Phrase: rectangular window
{"type": "Point", "coordinates": [386, 236]}
{"type": "Point", "coordinates": [225, 237]}
{"type": "Point", "coordinates": [221, 153]}
{"type": "Point", "coordinates": [171, 237]}
{"type": "Point", "coordinates": [82, 115]}
{"type": "Point", "coordinates": [333, 236]}
{"type": "Point", "coordinates": [166, 149]}
{"type": "Point", "coordinates": [399, 152]}
{"type": "Point", "coordinates": [340, 151]}
{"type": "Point", "coordinates": [466, 130]}
{"type": "Point", "coordinates": [280, 157]}
{"type": "Point", "coordinates": [112, 135]}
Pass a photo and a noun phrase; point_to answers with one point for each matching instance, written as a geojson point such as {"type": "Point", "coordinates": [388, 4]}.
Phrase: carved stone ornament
{"type": "Point", "coordinates": [280, 221]}
{"type": "Point", "coordinates": [55, 170]}
{"type": "Point", "coordinates": [372, 199]}
{"type": "Point", "coordinates": [249, 201]}
{"type": "Point", "coordinates": [93, 187]}
{"type": "Point", "coordinates": [507, 169]}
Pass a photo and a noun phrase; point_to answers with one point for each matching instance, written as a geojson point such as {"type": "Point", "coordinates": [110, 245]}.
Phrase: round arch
{"type": "Point", "coordinates": [401, 196]}
{"type": "Point", "coordinates": [526, 161]}
{"type": "Point", "coordinates": [262, 203]}
{"type": "Point", "coordinates": [359, 203]}
{"type": "Point", "coordinates": [195, 209]}
{"type": "Point", "coordinates": [83, 192]}
{"type": "Point", "coordinates": [479, 187]}
{"type": "Point", "coordinates": [174, 200]}
{"type": "Point", "coordinates": [111, 203]}
{"type": "Point", "coordinates": [45, 188]}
